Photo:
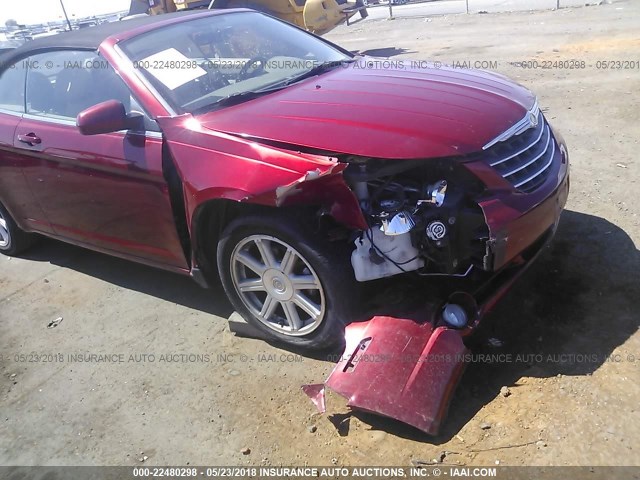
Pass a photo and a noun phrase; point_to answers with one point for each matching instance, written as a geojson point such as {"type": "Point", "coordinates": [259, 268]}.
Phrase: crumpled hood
{"type": "Point", "coordinates": [390, 113]}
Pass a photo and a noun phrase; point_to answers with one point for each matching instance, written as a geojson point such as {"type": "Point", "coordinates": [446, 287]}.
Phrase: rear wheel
{"type": "Point", "coordinates": [286, 281]}
{"type": "Point", "coordinates": [12, 239]}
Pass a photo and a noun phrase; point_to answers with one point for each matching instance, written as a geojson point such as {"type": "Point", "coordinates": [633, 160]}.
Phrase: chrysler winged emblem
{"type": "Point", "coordinates": [530, 120]}
{"type": "Point", "coordinates": [533, 119]}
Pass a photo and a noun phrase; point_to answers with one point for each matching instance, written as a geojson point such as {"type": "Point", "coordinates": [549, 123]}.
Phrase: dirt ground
{"type": "Point", "coordinates": [181, 389]}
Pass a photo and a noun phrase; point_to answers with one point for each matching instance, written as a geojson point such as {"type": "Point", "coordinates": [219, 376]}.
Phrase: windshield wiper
{"type": "Point", "coordinates": [317, 70]}
{"type": "Point", "coordinates": [235, 99]}
{"type": "Point", "coordinates": [240, 97]}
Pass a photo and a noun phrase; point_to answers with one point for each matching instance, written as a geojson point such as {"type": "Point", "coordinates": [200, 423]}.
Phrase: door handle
{"type": "Point", "coordinates": [30, 139]}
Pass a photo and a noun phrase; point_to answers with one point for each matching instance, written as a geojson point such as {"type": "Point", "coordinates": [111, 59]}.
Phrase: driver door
{"type": "Point", "coordinates": [104, 191]}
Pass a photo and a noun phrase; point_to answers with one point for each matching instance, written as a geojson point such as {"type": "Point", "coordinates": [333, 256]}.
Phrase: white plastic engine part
{"type": "Point", "coordinates": [397, 248]}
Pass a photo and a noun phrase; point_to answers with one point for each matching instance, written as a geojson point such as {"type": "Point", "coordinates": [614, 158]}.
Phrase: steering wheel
{"type": "Point", "coordinates": [213, 80]}
{"type": "Point", "coordinates": [252, 67]}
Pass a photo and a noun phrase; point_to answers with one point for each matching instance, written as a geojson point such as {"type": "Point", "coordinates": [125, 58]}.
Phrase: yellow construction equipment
{"type": "Point", "coordinates": [317, 16]}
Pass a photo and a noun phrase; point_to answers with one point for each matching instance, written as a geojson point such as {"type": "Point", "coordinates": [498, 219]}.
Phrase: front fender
{"type": "Point", "coordinates": [214, 165]}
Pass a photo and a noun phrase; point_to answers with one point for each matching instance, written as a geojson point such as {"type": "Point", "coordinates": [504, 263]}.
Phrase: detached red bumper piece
{"type": "Point", "coordinates": [400, 369]}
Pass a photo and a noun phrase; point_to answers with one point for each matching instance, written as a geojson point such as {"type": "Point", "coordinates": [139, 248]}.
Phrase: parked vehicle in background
{"type": "Point", "coordinates": [317, 16]}
{"type": "Point", "coordinates": [19, 35]}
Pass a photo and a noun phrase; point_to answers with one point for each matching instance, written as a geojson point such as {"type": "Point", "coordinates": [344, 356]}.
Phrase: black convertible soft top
{"type": "Point", "coordinates": [86, 38]}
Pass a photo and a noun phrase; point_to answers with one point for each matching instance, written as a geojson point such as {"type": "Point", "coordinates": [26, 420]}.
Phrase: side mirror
{"type": "Point", "coordinates": [107, 117]}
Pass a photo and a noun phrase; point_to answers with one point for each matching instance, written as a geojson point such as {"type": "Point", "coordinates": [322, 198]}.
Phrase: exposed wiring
{"type": "Point", "coordinates": [446, 274]}
{"type": "Point", "coordinates": [384, 255]}
{"type": "Point", "coordinates": [398, 264]}
{"type": "Point", "coordinates": [408, 261]}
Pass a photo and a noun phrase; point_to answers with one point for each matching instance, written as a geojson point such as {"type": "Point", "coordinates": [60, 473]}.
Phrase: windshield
{"type": "Point", "coordinates": [201, 64]}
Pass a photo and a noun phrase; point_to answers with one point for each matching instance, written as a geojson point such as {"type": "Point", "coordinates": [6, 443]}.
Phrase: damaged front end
{"type": "Point", "coordinates": [470, 227]}
{"type": "Point", "coordinates": [423, 220]}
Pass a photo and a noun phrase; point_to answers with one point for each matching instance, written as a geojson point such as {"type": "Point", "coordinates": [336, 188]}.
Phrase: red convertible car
{"type": "Point", "coordinates": [231, 144]}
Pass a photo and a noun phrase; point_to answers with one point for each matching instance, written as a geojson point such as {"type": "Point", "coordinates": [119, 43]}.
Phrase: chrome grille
{"type": "Point", "coordinates": [524, 159]}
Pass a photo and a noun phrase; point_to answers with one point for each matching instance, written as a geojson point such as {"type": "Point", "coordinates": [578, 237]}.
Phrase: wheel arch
{"type": "Point", "coordinates": [209, 221]}
{"type": "Point", "coordinates": [212, 217]}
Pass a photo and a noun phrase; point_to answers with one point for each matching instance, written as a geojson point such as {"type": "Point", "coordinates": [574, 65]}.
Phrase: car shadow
{"type": "Point", "coordinates": [162, 284]}
{"type": "Point", "coordinates": [565, 316]}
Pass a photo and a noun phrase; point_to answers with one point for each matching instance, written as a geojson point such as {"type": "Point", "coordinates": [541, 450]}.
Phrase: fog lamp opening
{"type": "Point", "coordinates": [454, 315]}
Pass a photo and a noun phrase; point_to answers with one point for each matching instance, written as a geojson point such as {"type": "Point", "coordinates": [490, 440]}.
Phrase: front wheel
{"type": "Point", "coordinates": [286, 281]}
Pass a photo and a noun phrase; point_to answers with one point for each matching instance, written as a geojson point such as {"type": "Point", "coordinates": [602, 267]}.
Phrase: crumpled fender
{"type": "Point", "coordinates": [215, 165]}
{"type": "Point", "coordinates": [400, 369]}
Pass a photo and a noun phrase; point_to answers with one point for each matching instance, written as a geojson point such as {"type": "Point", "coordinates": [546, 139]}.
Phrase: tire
{"type": "Point", "coordinates": [269, 294]}
{"type": "Point", "coordinates": [13, 240]}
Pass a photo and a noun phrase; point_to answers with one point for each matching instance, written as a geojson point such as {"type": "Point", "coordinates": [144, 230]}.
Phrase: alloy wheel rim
{"type": "Point", "coordinates": [277, 285]}
{"type": "Point", "coordinates": [5, 236]}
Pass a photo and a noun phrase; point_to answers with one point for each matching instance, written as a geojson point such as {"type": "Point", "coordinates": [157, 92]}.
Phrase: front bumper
{"type": "Point", "coordinates": [517, 220]}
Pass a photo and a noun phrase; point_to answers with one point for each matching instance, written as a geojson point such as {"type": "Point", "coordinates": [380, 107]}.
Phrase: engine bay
{"type": "Point", "coordinates": [422, 218]}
